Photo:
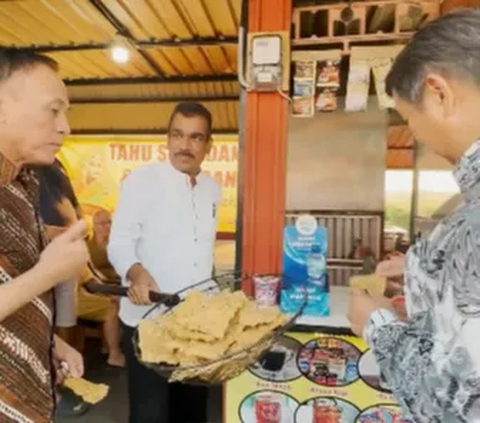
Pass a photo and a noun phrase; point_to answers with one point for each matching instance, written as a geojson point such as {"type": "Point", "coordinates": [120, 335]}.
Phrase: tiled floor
{"type": "Point", "coordinates": [114, 409]}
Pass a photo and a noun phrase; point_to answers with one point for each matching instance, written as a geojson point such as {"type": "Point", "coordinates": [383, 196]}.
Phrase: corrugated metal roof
{"type": "Point", "coordinates": [98, 64]}
{"type": "Point", "coordinates": [184, 19]}
{"type": "Point", "coordinates": [195, 60]}
{"type": "Point", "coordinates": [399, 137]}
{"type": "Point", "coordinates": [181, 90]}
{"type": "Point", "coordinates": [168, 39]}
{"type": "Point", "coordinates": [399, 159]}
{"type": "Point", "coordinates": [44, 22]}
{"type": "Point", "coordinates": [144, 117]}
{"type": "Point", "coordinates": [400, 147]}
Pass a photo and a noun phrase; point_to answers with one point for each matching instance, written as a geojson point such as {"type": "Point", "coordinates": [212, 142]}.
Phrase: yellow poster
{"type": "Point", "coordinates": [312, 378]}
{"type": "Point", "coordinates": [97, 165]}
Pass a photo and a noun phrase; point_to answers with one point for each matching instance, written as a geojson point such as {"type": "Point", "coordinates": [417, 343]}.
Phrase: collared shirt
{"type": "Point", "coordinates": [167, 225]}
{"type": "Point", "coordinates": [26, 336]}
{"type": "Point", "coordinates": [432, 363]}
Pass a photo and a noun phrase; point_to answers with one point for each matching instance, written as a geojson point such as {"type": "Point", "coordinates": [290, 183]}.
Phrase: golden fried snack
{"type": "Point", "coordinates": [202, 333]}
{"type": "Point", "coordinates": [374, 284]}
{"type": "Point", "coordinates": [252, 315]}
{"type": "Point", "coordinates": [156, 344]}
{"type": "Point", "coordinates": [91, 393]}
{"type": "Point", "coordinates": [216, 312]}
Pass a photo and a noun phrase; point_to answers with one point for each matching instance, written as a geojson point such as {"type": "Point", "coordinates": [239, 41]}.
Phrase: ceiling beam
{"type": "Point", "coordinates": [130, 100]}
{"type": "Point", "coordinates": [221, 77]}
{"type": "Point", "coordinates": [137, 131]}
{"type": "Point", "coordinates": [123, 30]}
{"type": "Point", "coordinates": [194, 42]}
{"type": "Point", "coordinates": [198, 41]}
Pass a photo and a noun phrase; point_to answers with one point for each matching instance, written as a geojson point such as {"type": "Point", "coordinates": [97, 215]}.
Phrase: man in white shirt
{"type": "Point", "coordinates": [163, 239]}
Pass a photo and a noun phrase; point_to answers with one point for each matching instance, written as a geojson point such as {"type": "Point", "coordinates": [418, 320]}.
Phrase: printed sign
{"type": "Point", "coordinates": [97, 165]}
{"type": "Point", "coordinates": [312, 378]}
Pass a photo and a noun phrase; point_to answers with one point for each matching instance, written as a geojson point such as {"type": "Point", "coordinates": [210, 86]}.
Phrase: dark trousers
{"type": "Point", "coordinates": [154, 400]}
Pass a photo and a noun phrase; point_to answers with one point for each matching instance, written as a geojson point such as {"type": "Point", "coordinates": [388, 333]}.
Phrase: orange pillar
{"type": "Point", "coordinates": [264, 164]}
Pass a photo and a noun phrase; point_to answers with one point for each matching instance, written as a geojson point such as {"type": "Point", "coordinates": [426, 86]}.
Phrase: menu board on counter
{"type": "Point", "coordinates": [312, 378]}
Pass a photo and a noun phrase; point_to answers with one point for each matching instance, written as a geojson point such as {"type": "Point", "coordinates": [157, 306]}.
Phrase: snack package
{"type": "Point", "coordinates": [357, 86]}
{"type": "Point", "coordinates": [305, 69]}
{"type": "Point", "coordinates": [303, 106]}
{"type": "Point", "coordinates": [326, 100]}
{"type": "Point", "coordinates": [328, 74]}
{"type": "Point", "coordinates": [380, 69]}
{"type": "Point", "coordinates": [303, 88]}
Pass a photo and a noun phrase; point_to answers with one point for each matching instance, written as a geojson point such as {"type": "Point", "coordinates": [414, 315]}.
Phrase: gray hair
{"type": "Point", "coordinates": [450, 46]}
{"type": "Point", "coordinates": [14, 60]}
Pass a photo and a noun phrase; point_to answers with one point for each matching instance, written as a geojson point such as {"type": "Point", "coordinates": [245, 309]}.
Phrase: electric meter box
{"type": "Point", "coordinates": [268, 61]}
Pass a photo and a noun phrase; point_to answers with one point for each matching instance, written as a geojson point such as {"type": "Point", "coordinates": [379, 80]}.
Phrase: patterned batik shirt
{"type": "Point", "coordinates": [26, 377]}
{"type": "Point", "coordinates": [432, 363]}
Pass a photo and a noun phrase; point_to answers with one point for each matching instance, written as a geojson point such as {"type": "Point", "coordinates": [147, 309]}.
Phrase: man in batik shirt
{"type": "Point", "coordinates": [33, 105]}
{"type": "Point", "coordinates": [432, 361]}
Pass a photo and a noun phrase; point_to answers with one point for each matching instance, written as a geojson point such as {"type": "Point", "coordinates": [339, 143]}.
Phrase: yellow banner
{"type": "Point", "coordinates": [97, 165]}
{"type": "Point", "coordinates": [312, 378]}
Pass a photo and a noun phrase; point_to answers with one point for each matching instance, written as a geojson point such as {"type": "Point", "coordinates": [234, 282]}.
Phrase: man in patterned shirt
{"type": "Point", "coordinates": [432, 361]}
{"type": "Point", "coordinates": [33, 105]}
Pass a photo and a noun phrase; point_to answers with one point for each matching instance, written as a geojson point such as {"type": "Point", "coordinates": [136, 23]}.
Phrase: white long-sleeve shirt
{"type": "Point", "coordinates": [168, 226]}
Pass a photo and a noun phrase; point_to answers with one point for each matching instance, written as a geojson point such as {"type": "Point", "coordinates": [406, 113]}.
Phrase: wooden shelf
{"type": "Point", "coordinates": [361, 22]}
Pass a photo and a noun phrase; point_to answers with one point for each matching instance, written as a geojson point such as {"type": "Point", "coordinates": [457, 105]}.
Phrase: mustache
{"type": "Point", "coordinates": [185, 153]}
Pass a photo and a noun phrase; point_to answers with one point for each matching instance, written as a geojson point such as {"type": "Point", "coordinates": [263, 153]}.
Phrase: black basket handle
{"type": "Point", "coordinates": [170, 300]}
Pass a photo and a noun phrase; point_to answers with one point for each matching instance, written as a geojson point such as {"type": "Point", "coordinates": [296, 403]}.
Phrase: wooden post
{"type": "Point", "coordinates": [264, 160]}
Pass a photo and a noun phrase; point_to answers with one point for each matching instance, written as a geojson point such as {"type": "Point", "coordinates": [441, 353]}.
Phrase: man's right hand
{"type": "Point", "coordinates": [141, 285]}
{"type": "Point", "coordinates": [393, 268]}
{"type": "Point", "coordinates": [54, 231]}
{"type": "Point", "coordinates": [66, 256]}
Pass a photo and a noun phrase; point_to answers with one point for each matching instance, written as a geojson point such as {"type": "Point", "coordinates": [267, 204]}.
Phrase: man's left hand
{"type": "Point", "coordinates": [362, 305]}
{"type": "Point", "coordinates": [69, 355]}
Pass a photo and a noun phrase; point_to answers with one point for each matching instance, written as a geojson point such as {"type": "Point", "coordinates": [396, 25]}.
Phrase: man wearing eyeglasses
{"type": "Point", "coordinates": [162, 239]}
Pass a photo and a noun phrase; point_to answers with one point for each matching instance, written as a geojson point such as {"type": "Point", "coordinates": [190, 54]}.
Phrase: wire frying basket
{"type": "Point", "coordinates": [233, 363]}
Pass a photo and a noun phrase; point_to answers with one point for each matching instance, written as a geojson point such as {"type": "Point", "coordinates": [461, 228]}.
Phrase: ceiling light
{"type": "Point", "coordinates": [120, 49]}
{"type": "Point", "coordinates": [120, 54]}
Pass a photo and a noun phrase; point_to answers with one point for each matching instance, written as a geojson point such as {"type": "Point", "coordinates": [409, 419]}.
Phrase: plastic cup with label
{"type": "Point", "coordinates": [267, 289]}
{"type": "Point", "coordinates": [268, 409]}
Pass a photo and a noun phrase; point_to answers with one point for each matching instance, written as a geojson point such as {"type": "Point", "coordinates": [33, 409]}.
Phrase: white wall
{"type": "Point", "coordinates": [337, 161]}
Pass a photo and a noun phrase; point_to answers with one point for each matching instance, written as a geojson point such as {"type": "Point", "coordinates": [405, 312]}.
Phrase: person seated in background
{"type": "Point", "coordinates": [97, 245]}
{"type": "Point", "coordinates": [358, 250]}
{"type": "Point", "coordinates": [401, 245]}
{"type": "Point", "coordinates": [102, 309]}
{"type": "Point", "coordinates": [60, 209]}
{"type": "Point", "coordinates": [363, 252]}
